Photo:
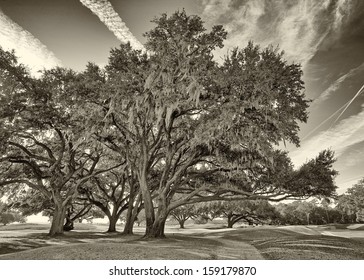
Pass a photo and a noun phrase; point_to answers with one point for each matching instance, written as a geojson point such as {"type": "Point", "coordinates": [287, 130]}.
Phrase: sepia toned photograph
{"type": "Point", "coordinates": [182, 130]}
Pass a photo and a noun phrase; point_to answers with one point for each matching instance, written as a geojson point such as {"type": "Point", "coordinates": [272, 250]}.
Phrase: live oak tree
{"type": "Point", "coordinates": [8, 216]}
{"type": "Point", "coordinates": [113, 193]}
{"type": "Point", "coordinates": [347, 208]}
{"type": "Point", "coordinates": [185, 126]}
{"type": "Point", "coordinates": [189, 126]}
{"type": "Point", "coordinates": [352, 201]}
{"type": "Point", "coordinates": [250, 211]}
{"type": "Point", "coordinates": [80, 210]}
{"type": "Point", "coordinates": [183, 213]}
{"type": "Point", "coordinates": [42, 143]}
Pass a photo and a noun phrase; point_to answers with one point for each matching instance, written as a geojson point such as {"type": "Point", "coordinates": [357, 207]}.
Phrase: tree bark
{"type": "Point", "coordinates": [157, 229]}
{"type": "Point", "coordinates": [230, 220]}
{"type": "Point", "coordinates": [148, 207]}
{"type": "Point", "coordinates": [59, 215]}
{"type": "Point", "coordinates": [113, 219]}
{"type": "Point", "coordinates": [129, 224]}
{"type": "Point", "coordinates": [181, 223]}
{"type": "Point", "coordinates": [131, 214]}
{"type": "Point", "coordinates": [69, 225]}
{"type": "Point", "coordinates": [230, 223]}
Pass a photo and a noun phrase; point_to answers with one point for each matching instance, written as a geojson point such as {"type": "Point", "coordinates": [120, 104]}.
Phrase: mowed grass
{"type": "Point", "coordinates": [84, 244]}
{"type": "Point", "coordinates": [280, 243]}
{"type": "Point", "coordinates": [194, 242]}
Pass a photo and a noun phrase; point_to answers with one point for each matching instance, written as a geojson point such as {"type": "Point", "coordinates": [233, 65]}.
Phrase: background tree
{"type": "Point", "coordinates": [353, 201]}
{"type": "Point", "coordinates": [183, 213]}
{"type": "Point", "coordinates": [250, 211]}
{"type": "Point", "coordinates": [112, 192]}
{"type": "Point", "coordinates": [80, 210]}
{"type": "Point", "coordinates": [9, 216]}
{"type": "Point", "coordinates": [347, 208]}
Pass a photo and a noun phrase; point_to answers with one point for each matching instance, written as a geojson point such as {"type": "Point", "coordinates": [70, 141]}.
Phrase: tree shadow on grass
{"type": "Point", "coordinates": [12, 244]}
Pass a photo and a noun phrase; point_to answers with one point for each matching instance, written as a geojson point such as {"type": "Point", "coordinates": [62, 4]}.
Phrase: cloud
{"type": "Point", "coordinates": [338, 83]}
{"type": "Point", "coordinates": [300, 28]}
{"type": "Point", "coordinates": [29, 49]}
{"type": "Point", "coordinates": [340, 138]}
{"type": "Point", "coordinates": [106, 13]}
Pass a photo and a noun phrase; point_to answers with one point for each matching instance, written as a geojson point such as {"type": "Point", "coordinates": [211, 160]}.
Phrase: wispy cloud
{"type": "Point", "coordinates": [29, 49]}
{"type": "Point", "coordinates": [106, 13]}
{"type": "Point", "coordinates": [338, 83]}
{"type": "Point", "coordinates": [298, 27]}
{"type": "Point", "coordinates": [340, 138]}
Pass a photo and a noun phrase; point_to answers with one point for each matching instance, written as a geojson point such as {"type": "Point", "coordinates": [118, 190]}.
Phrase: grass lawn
{"type": "Point", "coordinates": [30, 241]}
{"type": "Point", "coordinates": [280, 243]}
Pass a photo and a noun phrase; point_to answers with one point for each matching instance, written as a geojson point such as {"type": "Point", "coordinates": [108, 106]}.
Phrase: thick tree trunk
{"type": "Point", "coordinates": [128, 228]}
{"type": "Point", "coordinates": [181, 223]}
{"type": "Point", "coordinates": [59, 215]}
{"type": "Point", "coordinates": [148, 207]}
{"type": "Point", "coordinates": [230, 223]}
{"type": "Point", "coordinates": [157, 230]}
{"type": "Point", "coordinates": [69, 225]}
{"type": "Point", "coordinates": [230, 220]}
{"type": "Point", "coordinates": [129, 224]}
{"type": "Point", "coordinates": [113, 219]}
{"type": "Point", "coordinates": [131, 215]}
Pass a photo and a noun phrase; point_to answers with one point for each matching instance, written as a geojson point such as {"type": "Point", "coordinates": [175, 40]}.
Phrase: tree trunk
{"type": "Point", "coordinates": [59, 215]}
{"type": "Point", "coordinates": [148, 207]}
{"type": "Point", "coordinates": [129, 223]}
{"type": "Point", "coordinates": [113, 219]}
{"type": "Point", "coordinates": [69, 225]}
{"type": "Point", "coordinates": [181, 223]}
{"type": "Point", "coordinates": [131, 214]}
{"type": "Point", "coordinates": [230, 221]}
{"type": "Point", "coordinates": [157, 229]}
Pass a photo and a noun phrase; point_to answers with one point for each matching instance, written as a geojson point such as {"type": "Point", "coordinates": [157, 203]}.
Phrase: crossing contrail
{"type": "Point", "coordinates": [106, 13]}
{"type": "Point", "coordinates": [30, 51]}
{"type": "Point", "coordinates": [341, 110]}
{"type": "Point", "coordinates": [351, 101]}
{"type": "Point", "coordinates": [325, 121]}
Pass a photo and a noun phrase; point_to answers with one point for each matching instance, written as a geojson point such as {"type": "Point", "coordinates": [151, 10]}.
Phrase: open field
{"type": "Point", "coordinates": [30, 241]}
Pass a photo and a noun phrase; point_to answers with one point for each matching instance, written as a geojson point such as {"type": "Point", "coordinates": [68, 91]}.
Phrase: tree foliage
{"type": "Point", "coordinates": [184, 128]}
{"type": "Point", "coordinates": [42, 135]}
{"type": "Point", "coordinates": [352, 201]}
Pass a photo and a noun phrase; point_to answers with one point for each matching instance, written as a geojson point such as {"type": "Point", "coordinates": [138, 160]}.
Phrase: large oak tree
{"type": "Point", "coordinates": [206, 131]}
{"type": "Point", "coordinates": [43, 144]}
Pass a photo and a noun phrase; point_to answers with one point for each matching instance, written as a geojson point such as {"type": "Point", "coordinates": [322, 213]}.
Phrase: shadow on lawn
{"type": "Point", "coordinates": [12, 244]}
{"type": "Point", "coordinates": [274, 243]}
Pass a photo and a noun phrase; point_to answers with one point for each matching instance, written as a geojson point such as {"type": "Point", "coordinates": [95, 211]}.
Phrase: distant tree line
{"type": "Point", "coordinates": [260, 212]}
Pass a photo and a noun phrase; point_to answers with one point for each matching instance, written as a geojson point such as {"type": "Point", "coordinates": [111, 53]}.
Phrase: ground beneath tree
{"type": "Point", "coordinates": [196, 242]}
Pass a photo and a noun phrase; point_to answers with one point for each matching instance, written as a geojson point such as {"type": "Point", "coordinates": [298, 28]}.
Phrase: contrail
{"type": "Point", "coordinates": [338, 83]}
{"type": "Point", "coordinates": [339, 138]}
{"type": "Point", "coordinates": [348, 104]}
{"type": "Point", "coordinates": [342, 109]}
{"type": "Point", "coordinates": [106, 13]}
{"type": "Point", "coordinates": [29, 49]}
{"type": "Point", "coordinates": [324, 121]}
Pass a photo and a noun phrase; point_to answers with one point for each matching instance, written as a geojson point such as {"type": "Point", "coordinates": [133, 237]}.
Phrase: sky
{"type": "Point", "coordinates": [325, 36]}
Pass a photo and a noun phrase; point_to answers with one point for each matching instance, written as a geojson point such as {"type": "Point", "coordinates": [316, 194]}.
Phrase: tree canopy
{"type": "Point", "coordinates": [185, 128]}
